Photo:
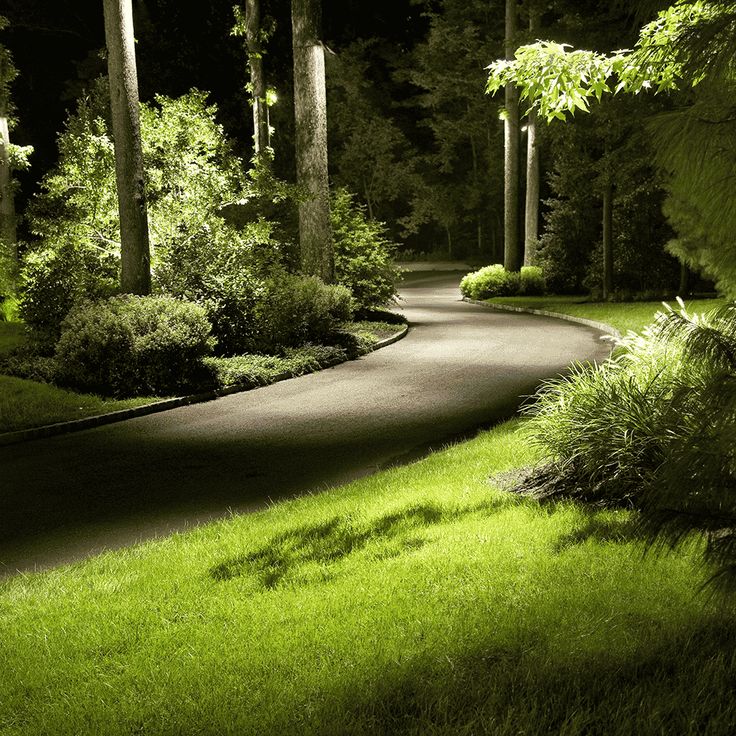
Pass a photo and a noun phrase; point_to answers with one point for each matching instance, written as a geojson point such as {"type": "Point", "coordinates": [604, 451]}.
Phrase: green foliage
{"type": "Point", "coordinates": [128, 346]}
{"type": "Point", "coordinates": [191, 174]}
{"type": "Point", "coordinates": [56, 277]}
{"type": "Point", "coordinates": [299, 309]}
{"type": "Point", "coordinates": [363, 253]}
{"type": "Point", "coordinates": [494, 280]}
{"type": "Point", "coordinates": [653, 428]}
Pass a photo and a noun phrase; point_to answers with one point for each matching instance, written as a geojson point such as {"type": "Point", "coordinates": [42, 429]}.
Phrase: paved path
{"type": "Point", "coordinates": [460, 367]}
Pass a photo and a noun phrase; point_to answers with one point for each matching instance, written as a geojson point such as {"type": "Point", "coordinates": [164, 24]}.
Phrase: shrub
{"type": "Point", "coordinates": [490, 281]}
{"type": "Point", "coordinates": [654, 428]}
{"type": "Point", "coordinates": [128, 345]}
{"type": "Point", "coordinates": [55, 278]}
{"type": "Point", "coordinates": [363, 253]}
{"type": "Point", "coordinates": [224, 270]}
{"type": "Point", "coordinates": [299, 309]}
{"type": "Point", "coordinates": [532, 281]}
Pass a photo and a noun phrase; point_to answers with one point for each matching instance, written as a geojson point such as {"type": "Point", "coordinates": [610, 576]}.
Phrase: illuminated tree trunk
{"type": "Point", "coordinates": [310, 107]}
{"type": "Point", "coordinates": [7, 203]}
{"type": "Point", "coordinates": [257, 79]}
{"type": "Point", "coordinates": [512, 256]}
{"type": "Point", "coordinates": [531, 209]}
{"type": "Point", "coordinates": [135, 256]}
{"type": "Point", "coordinates": [607, 239]}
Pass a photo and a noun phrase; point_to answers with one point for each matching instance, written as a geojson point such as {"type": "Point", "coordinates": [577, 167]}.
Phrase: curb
{"type": "Point", "coordinates": [602, 326]}
{"type": "Point", "coordinates": [76, 425]}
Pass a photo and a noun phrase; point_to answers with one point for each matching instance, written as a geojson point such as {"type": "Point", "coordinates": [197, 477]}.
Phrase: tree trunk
{"type": "Point", "coordinates": [607, 239]}
{"type": "Point", "coordinates": [310, 108]}
{"type": "Point", "coordinates": [257, 80]}
{"type": "Point", "coordinates": [531, 209]}
{"type": "Point", "coordinates": [512, 256]}
{"type": "Point", "coordinates": [684, 280]}
{"type": "Point", "coordinates": [135, 255]}
{"type": "Point", "coordinates": [8, 234]}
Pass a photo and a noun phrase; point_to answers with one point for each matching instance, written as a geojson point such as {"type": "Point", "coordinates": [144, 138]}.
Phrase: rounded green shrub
{"type": "Point", "coordinates": [298, 309]}
{"type": "Point", "coordinates": [131, 345]}
{"type": "Point", "coordinates": [490, 281]}
{"type": "Point", "coordinates": [532, 281]}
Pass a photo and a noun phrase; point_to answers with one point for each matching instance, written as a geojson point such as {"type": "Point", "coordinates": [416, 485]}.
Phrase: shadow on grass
{"type": "Point", "coordinates": [679, 685]}
{"type": "Point", "coordinates": [601, 527]}
{"type": "Point", "coordinates": [328, 542]}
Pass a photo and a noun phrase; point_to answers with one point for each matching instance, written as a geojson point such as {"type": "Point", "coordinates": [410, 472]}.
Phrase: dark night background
{"type": "Point", "coordinates": [57, 49]}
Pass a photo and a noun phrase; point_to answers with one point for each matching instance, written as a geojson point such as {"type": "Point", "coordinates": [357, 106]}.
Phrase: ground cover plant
{"type": "Point", "coordinates": [652, 429]}
{"type": "Point", "coordinates": [419, 600]}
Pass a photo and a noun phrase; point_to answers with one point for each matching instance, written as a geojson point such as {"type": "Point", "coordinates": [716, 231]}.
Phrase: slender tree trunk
{"type": "Point", "coordinates": [512, 256]}
{"type": "Point", "coordinates": [607, 239]}
{"type": "Point", "coordinates": [8, 234]}
{"type": "Point", "coordinates": [531, 210]}
{"type": "Point", "coordinates": [257, 80]}
{"type": "Point", "coordinates": [135, 255]}
{"type": "Point", "coordinates": [310, 107]}
{"type": "Point", "coordinates": [684, 280]}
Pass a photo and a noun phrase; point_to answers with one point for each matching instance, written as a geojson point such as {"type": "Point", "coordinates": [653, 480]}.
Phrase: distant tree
{"type": "Point", "coordinates": [512, 255]}
{"type": "Point", "coordinates": [457, 195]}
{"type": "Point", "coordinates": [531, 208]}
{"type": "Point", "coordinates": [249, 25]}
{"type": "Point", "coordinates": [369, 152]}
{"type": "Point", "coordinates": [135, 277]}
{"type": "Point", "coordinates": [10, 157]}
{"type": "Point", "coordinates": [310, 108]}
{"type": "Point", "coordinates": [689, 46]}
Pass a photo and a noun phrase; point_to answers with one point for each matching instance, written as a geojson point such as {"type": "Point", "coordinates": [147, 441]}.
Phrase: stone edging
{"type": "Point", "coordinates": [75, 425]}
{"type": "Point", "coordinates": [602, 326]}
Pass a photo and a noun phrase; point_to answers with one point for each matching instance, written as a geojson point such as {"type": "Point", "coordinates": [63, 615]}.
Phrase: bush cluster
{"type": "Point", "coordinates": [653, 429]}
{"type": "Point", "coordinates": [495, 280]}
{"type": "Point", "coordinates": [128, 346]}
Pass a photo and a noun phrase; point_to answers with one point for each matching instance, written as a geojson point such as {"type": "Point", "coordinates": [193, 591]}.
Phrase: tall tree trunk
{"type": "Point", "coordinates": [607, 238]}
{"type": "Point", "coordinates": [531, 209]}
{"type": "Point", "coordinates": [512, 256]}
{"type": "Point", "coordinates": [310, 108]}
{"type": "Point", "coordinates": [135, 277]}
{"type": "Point", "coordinates": [257, 80]}
{"type": "Point", "coordinates": [684, 280]}
{"type": "Point", "coordinates": [8, 234]}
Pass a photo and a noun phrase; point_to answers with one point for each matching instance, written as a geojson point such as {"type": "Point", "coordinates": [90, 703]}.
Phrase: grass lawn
{"type": "Point", "coordinates": [421, 600]}
{"type": "Point", "coordinates": [624, 316]}
{"type": "Point", "coordinates": [25, 404]}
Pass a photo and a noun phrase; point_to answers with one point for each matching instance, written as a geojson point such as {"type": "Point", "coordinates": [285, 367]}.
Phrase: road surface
{"type": "Point", "coordinates": [461, 367]}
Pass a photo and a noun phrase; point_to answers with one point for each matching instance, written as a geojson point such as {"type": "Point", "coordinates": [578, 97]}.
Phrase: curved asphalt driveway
{"type": "Point", "coordinates": [460, 367]}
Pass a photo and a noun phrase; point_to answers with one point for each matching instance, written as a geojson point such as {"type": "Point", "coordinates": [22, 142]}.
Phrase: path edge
{"type": "Point", "coordinates": [99, 420]}
{"type": "Point", "coordinates": [601, 326]}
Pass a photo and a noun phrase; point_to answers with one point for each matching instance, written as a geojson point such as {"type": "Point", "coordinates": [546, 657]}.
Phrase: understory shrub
{"type": "Point", "coordinates": [130, 345]}
{"type": "Point", "coordinates": [495, 280]}
{"type": "Point", "coordinates": [297, 309]}
{"type": "Point", "coordinates": [363, 253]}
{"type": "Point", "coordinates": [654, 428]}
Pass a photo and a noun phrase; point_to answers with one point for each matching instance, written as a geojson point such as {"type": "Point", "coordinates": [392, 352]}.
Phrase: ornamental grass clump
{"type": "Point", "coordinates": [653, 428]}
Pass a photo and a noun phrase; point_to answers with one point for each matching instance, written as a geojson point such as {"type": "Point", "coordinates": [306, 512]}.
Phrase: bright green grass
{"type": "Point", "coordinates": [417, 601]}
{"type": "Point", "coordinates": [624, 316]}
{"type": "Point", "coordinates": [26, 404]}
